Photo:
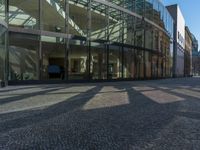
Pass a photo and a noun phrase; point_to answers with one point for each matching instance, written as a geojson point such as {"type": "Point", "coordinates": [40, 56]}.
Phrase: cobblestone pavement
{"type": "Point", "coordinates": [159, 114]}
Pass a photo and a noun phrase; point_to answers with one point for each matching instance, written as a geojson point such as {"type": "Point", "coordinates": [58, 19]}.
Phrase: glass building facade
{"type": "Point", "coordinates": [89, 40]}
{"type": "Point", "coordinates": [3, 42]}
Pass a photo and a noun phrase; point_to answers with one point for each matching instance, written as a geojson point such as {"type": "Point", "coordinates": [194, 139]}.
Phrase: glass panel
{"type": "Point", "coordinates": [78, 17]}
{"type": "Point", "coordinates": [99, 21]}
{"type": "Point", "coordinates": [116, 30]}
{"type": "Point", "coordinates": [161, 12]}
{"type": "Point", "coordinates": [160, 66]}
{"type": "Point", "coordinates": [129, 64]}
{"type": "Point", "coordinates": [154, 65]}
{"type": "Point", "coordinates": [139, 33]}
{"type": "Point", "coordinates": [22, 15]}
{"type": "Point", "coordinates": [116, 25]}
{"type": "Point", "coordinates": [139, 58]}
{"type": "Point", "coordinates": [78, 60]}
{"type": "Point", "coordinates": [115, 62]}
{"type": "Point", "coordinates": [23, 56]}
{"type": "Point", "coordinates": [156, 12]}
{"type": "Point", "coordinates": [53, 53]}
{"type": "Point", "coordinates": [2, 52]}
{"type": "Point", "coordinates": [155, 39]}
{"type": "Point", "coordinates": [53, 15]}
{"type": "Point", "coordinates": [149, 36]}
{"type": "Point", "coordinates": [166, 55]}
{"type": "Point", "coordinates": [117, 2]}
{"type": "Point", "coordinates": [130, 5]}
{"type": "Point", "coordinates": [129, 29]}
{"type": "Point", "coordinates": [98, 65]}
{"type": "Point", "coordinates": [2, 9]}
{"type": "Point", "coordinates": [169, 59]}
{"type": "Point", "coordinates": [149, 9]}
{"type": "Point", "coordinates": [139, 7]}
{"type": "Point", "coordinates": [141, 63]}
{"type": "Point", "coordinates": [148, 64]}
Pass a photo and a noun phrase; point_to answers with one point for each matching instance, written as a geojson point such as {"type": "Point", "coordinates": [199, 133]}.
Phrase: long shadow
{"type": "Point", "coordinates": [143, 119]}
{"type": "Point", "coordinates": [129, 126]}
{"type": "Point", "coordinates": [14, 89]}
{"type": "Point", "coordinates": [57, 93]}
{"type": "Point", "coordinates": [24, 87]}
{"type": "Point", "coordinates": [23, 96]}
{"type": "Point", "coordinates": [191, 115]}
{"type": "Point", "coordinates": [25, 118]}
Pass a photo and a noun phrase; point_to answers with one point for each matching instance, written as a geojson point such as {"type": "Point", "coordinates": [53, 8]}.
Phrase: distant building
{"type": "Point", "coordinates": [179, 40]}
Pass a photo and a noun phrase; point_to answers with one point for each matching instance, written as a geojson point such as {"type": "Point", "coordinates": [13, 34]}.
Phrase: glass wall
{"type": "Point", "coordinates": [53, 56]}
{"type": "Point", "coordinates": [24, 14]}
{"type": "Point", "coordinates": [148, 65]}
{"type": "Point", "coordinates": [139, 7]}
{"type": "Point", "coordinates": [154, 65]}
{"type": "Point", "coordinates": [100, 22]}
{"type": "Point", "coordinates": [3, 41]}
{"type": "Point", "coordinates": [78, 60]}
{"type": "Point", "coordinates": [116, 35]}
{"type": "Point", "coordinates": [2, 52]}
{"type": "Point", "coordinates": [148, 36]}
{"type": "Point", "coordinates": [98, 65]}
{"type": "Point", "coordinates": [139, 33]}
{"type": "Point", "coordinates": [78, 17]}
{"type": "Point", "coordinates": [53, 15]}
{"type": "Point", "coordinates": [129, 29]}
{"type": "Point", "coordinates": [2, 9]}
{"type": "Point", "coordinates": [115, 62]}
{"type": "Point", "coordinates": [23, 56]}
{"type": "Point", "coordinates": [84, 40]}
{"type": "Point", "coordinates": [139, 63]}
{"type": "Point", "coordinates": [160, 66]}
{"type": "Point", "coordinates": [149, 9]}
{"type": "Point", "coordinates": [129, 63]}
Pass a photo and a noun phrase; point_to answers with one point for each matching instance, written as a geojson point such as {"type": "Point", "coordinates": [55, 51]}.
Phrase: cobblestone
{"type": "Point", "coordinates": [137, 115]}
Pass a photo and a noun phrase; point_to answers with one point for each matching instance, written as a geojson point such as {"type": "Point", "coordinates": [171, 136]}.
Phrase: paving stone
{"type": "Point", "coordinates": [102, 116]}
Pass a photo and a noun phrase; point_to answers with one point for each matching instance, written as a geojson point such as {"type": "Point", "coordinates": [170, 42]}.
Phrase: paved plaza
{"type": "Point", "coordinates": [132, 115]}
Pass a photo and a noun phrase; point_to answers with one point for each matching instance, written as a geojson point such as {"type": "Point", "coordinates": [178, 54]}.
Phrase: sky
{"type": "Point", "coordinates": [191, 13]}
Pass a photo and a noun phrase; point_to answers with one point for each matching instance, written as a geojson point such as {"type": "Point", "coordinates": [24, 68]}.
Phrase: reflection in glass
{"type": "Point", "coordinates": [115, 62]}
{"type": "Point", "coordinates": [99, 21]}
{"type": "Point", "coordinates": [2, 52]}
{"type": "Point", "coordinates": [139, 58]}
{"type": "Point", "coordinates": [98, 65]}
{"type": "Point", "coordinates": [78, 17]}
{"type": "Point", "coordinates": [22, 15]}
{"type": "Point", "coordinates": [78, 60]}
{"type": "Point", "coordinates": [23, 56]}
{"type": "Point", "coordinates": [154, 65]}
{"type": "Point", "coordinates": [105, 42]}
{"type": "Point", "coordinates": [53, 15]}
{"type": "Point", "coordinates": [129, 64]}
{"type": "Point", "coordinates": [53, 56]}
{"type": "Point", "coordinates": [148, 64]}
{"type": "Point", "coordinates": [2, 9]}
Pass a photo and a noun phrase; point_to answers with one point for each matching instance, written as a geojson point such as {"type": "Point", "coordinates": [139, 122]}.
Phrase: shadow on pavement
{"type": "Point", "coordinates": [138, 124]}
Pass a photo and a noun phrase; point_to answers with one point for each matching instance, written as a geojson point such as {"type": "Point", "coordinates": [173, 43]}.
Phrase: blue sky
{"type": "Point", "coordinates": [191, 12]}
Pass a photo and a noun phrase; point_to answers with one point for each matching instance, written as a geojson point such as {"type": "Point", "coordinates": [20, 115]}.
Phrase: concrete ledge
{"type": "Point", "coordinates": [29, 82]}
